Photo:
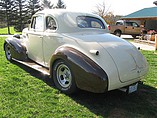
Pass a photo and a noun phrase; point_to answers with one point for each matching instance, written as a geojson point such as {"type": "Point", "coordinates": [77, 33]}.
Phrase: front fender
{"type": "Point", "coordinates": [88, 75]}
{"type": "Point", "coordinates": [18, 50]}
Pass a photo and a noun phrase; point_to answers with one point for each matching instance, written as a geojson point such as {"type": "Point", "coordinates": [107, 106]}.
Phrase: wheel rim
{"type": "Point", "coordinates": [117, 33]}
{"type": "Point", "coordinates": [64, 76]}
{"type": "Point", "coordinates": [7, 52]}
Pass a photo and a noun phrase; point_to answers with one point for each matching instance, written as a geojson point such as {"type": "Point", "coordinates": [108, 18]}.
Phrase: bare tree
{"type": "Point", "coordinates": [110, 18]}
{"type": "Point", "coordinates": [102, 10]}
{"type": "Point", "coordinates": [107, 15]}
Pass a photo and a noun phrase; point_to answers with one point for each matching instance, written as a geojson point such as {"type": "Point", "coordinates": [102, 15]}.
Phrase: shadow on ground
{"type": "Point", "coordinates": [39, 75]}
{"type": "Point", "coordinates": [114, 104]}
{"type": "Point", "coordinates": [117, 104]}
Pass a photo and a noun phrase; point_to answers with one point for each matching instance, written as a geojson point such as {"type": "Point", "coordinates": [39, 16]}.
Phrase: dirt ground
{"type": "Point", "coordinates": [143, 46]}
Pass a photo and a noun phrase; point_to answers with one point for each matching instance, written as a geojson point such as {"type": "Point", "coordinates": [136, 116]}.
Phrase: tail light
{"type": "Point", "coordinates": [109, 27]}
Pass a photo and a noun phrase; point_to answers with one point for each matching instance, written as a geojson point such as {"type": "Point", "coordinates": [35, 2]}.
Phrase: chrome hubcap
{"type": "Point", "coordinates": [64, 76]}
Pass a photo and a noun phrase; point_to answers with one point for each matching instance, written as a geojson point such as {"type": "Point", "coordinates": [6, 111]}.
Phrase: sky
{"type": "Point", "coordinates": [117, 7]}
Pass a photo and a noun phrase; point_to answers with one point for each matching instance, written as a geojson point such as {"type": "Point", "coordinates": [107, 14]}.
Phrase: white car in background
{"type": "Point", "coordinates": [77, 51]}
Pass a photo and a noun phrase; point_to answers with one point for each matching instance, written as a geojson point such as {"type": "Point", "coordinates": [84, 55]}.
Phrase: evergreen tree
{"type": "Point", "coordinates": [60, 5]}
{"type": "Point", "coordinates": [6, 12]}
{"type": "Point", "coordinates": [3, 21]}
{"type": "Point", "coordinates": [47, 4]}
{"type": "Point", "coordinates": [33, 7]}
{"type": "Point", "coordinates": [21, 13]}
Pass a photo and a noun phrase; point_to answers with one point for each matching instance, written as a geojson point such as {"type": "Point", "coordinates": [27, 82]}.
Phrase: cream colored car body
{"type": "Point", "coordinates": [122, 62]}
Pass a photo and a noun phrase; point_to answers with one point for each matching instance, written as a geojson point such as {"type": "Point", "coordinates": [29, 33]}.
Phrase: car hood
{"type": "Point", "coordinates": [129, 62]}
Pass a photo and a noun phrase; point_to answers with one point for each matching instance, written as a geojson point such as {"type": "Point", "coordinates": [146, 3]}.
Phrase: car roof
{"type": "Point", "coordinates": [59, 12]}
{"type": "Point", "coordinates": [66, 19]}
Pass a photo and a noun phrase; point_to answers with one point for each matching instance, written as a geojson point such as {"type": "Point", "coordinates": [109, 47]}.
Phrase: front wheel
{"type": "Point", "coordinates": [63, 77]}
{"type": "Point", "coordinates": [8, 54]}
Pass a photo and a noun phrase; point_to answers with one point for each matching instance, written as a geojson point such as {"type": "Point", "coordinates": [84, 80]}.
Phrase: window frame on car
{"type": "Point", "coordinates": [37, 25]}
{"type": "Point", "coordinates": [54, 26]}
{"type": "Point", "coordinates": [86, 22]}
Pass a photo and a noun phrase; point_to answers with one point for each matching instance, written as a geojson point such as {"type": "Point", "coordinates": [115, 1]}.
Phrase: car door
{"type": "Point", "coordinates": [35, 39]}
{"type": "Point", "coordinates": [136, 28]}
{"type": "Point", "coordinates": [51, 40]}
{"type": "Point", "coordinates": [128, 28]}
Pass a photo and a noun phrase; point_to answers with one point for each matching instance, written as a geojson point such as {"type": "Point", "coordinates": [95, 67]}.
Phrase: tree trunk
{"type": "Point", "coordinates": [8, 22]}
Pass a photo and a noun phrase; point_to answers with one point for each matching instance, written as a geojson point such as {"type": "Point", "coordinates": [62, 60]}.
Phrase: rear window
{"type": "Point", "coordinates": [89, 22]}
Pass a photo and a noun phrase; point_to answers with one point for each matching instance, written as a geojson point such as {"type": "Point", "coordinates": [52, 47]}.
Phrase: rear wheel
{"type": "Point", "coordinates": [63, 77]}
{"type": "Point", "coordinates": [8, 52]}
{"type": "Point", "coordinates": [134, 36]}
{"type": "Point", "coordinates": [117, 33]}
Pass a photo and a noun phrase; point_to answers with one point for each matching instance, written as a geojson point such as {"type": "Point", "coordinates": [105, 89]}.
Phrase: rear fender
{"type": "Point", "coordinates": [18, 50]}
{"type": "Point", "coordinates": [87, 74]}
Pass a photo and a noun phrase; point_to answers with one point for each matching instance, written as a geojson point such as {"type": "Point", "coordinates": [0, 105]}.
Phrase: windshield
{"type": "Point", "coordinates": [89, 22]}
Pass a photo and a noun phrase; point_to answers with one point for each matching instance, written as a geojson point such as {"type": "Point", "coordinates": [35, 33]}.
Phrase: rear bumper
{"type": "Point", "coordinates": [120, 85]}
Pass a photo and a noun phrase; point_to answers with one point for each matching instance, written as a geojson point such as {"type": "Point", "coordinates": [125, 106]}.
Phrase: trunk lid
{"type": "Point", "coordinates": [129, 62]}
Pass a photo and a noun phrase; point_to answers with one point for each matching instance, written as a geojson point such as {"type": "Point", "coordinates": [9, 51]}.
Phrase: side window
{"type": "Point", "coordinates": [37, 23]}
{"type": "Point", "coordinates": [119, 23]}
{"type": "Point", "coordinates": [82, 23]}
{"type": "Point", "coordinates": [50, 23]}
{"type": "Point", "coordinates": [95, 24]}
{"type": "Point", "coordinates": [128, 24]}
{"type": "Point", "coordinates": [135, 24]}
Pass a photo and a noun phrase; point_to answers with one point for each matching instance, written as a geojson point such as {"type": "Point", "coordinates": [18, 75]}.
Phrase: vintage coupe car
{"type": "Point", "coordinates": [77, 51]}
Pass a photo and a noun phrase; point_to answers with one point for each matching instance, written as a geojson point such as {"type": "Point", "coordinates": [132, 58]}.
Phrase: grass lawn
{"type": "Point", "coordinates": [25, 93]}
{"type": "Point", "coordinates": [4, 31]}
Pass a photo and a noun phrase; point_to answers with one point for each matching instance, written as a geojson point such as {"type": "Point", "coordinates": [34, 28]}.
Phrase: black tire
{"type": "Point", "coordinates": [7, 50]}
{"type": "Point", "coordinates": [117, 33]}
{"type": "Point", "coordinates": [134, 36]}
{"type": "Point", "coordinates": [63, 77]}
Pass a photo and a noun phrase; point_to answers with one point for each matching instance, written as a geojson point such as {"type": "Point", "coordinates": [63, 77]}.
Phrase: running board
{"type": "Point", "coordinates": [34, 66]}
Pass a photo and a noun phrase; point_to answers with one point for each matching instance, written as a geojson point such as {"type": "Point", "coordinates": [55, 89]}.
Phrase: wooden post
{"type": "Point", "coordinates": [155, 41]}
